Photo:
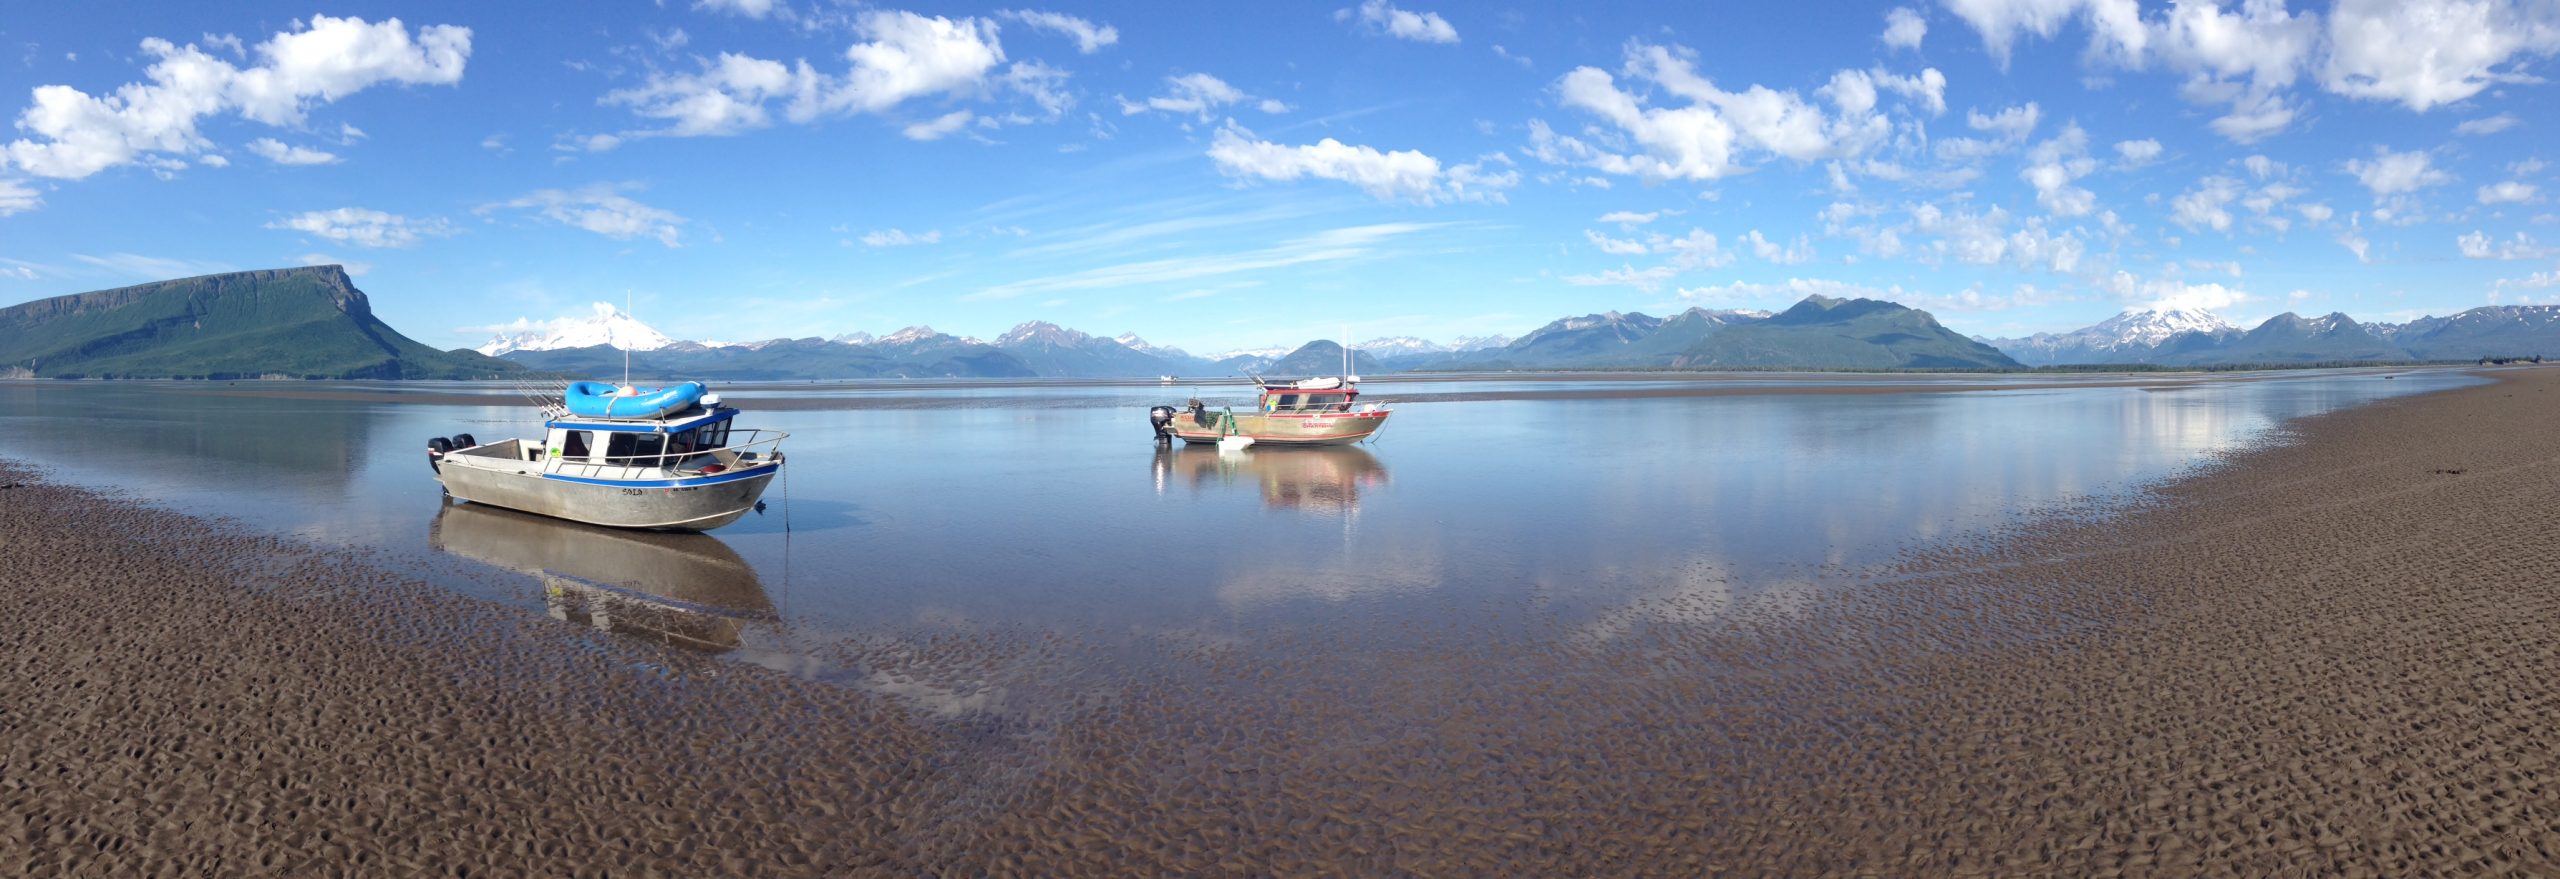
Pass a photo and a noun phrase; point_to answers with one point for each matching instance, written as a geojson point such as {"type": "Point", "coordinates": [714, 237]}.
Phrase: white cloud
{"type": "Point", "coordinates": [2138, 152]}
{"type": "Point", "coordinates": [2208, 205]}
{"type": "Point", "coordinates": [903, 56]}
{"type": "Point", "coordinates": [214, 160]}
{"type": "Point", "coordinates": [2167, 294]}
{"type": "Point", "coordinates": [2245, 59]}
{"type": "Point", "coordinates": [1904, 28]}
{"type": "Point", "coordinates": [1391, 175]}
{"type": "Point", "coordinates": [276, 151]}
{"type": "Point", "coordinates": [2316, 212]}
{"type": "Point", "coordinates": [1508, 55]}
{"type": "Point", "coordinates": [357, 269]}
{"type": "Point", "coordinates": [1792, 253]}
{"type": "Point", "coordinates": [1708, 138]}
{"type": "Point", "coordinates": [2476, 245]}
{"type": "Point", "coordinates": [2115, 25]}
{"type": "Point", "coordinates": [363, 227]}
{"type": "Point", "coordinates": [2487, 125]}
{"type": "Point", "coordinates": [2508, 192]}
{"type": "Point", "coordinates": [940, 126]}
{"type": "Point", "coordinates": [901, 238]}
{"type": "Point", "coordinates": [2426, 53]}
{"type": "Point", "coordinates": [1089, 37]}
{"type": "Point", "coordinates": [2390, 173]}
{"type": "Point", "coordinates": [748, 8]}
{"type": "Point", "coordinates": [1631, 218]}
{"type": "Point", "coordinates": [600, 209]}
{"type": "Point", "coordinates": [2054, 164]}
{"type": "Point", "coordinates": [1615, 246]}
{"type": "Point", "coordinates": [16, 198]}
{"type": "Point", "coordinates": [1198, 94]}
{"type": "Point", "coordinates": [1422, 27]}
{"type": "Point", "coordinates": [77, 134]}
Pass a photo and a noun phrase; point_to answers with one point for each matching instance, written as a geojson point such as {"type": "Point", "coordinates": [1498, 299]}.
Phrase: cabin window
{"type": "Point", "coordinates": [634, 448]}
{"type": "Point", "coordinates": [1284, 403]}
{"type": "Point", "coordinates": [714, 436]}
{"type": "Point", "coordinates": [1327, 402]}
{"type": "Point", "coordinates": [576, 447]}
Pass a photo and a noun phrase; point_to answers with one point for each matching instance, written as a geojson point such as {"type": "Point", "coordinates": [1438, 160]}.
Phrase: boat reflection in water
{"type": "Point", "coordinates": [1317, 479]}
{"type": "Point", "coordinates": [678, 589]}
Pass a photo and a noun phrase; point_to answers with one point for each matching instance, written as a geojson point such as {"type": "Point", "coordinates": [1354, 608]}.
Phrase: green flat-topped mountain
{"type": "Point", "coordinates": [308, 322]}
{"type": "Point", "coordinates": [1826, 333]}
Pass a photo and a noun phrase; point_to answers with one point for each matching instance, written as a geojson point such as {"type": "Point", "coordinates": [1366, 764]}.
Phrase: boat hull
{"type": "Point", "coordinates": [691, 504]}
{"type": "Point", "coordinates": [1312, 429]}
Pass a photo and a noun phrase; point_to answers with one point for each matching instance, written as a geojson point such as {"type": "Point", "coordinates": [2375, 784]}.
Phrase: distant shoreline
{"type": "Point", "coordinates": [792, 395]}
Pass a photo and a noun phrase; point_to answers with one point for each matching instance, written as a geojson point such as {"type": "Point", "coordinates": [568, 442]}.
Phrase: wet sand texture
{"type": "Point", "coordinates": [2340, 657]}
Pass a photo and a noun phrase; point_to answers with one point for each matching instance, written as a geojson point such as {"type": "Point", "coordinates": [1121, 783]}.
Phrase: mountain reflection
{"type": "Point", "coordinates": [681, 590]}
{"type": "Point", "coordinates": [1324, 479]}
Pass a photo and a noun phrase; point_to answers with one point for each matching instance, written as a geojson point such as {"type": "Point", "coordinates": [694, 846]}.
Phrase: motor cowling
{"type": "Point", "coordinates": [1161, 418]}
{"type": "Point", "coordinates": [436, 449]}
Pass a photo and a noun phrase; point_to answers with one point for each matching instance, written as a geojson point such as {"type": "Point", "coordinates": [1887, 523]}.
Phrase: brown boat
{"type": "Point", "coordinates": [1301, 412]}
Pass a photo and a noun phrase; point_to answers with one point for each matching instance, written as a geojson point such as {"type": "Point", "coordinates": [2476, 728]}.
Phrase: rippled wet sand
{"type": "Point", "coordinates": [2331, 657]}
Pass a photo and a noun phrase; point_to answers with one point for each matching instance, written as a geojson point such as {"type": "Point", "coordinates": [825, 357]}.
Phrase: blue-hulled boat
{"type": "Point", "coordinates": [659, 458]}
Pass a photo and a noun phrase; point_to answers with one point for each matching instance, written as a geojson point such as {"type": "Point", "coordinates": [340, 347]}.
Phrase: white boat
{"type": "Point", "coordinates": [671, 460]}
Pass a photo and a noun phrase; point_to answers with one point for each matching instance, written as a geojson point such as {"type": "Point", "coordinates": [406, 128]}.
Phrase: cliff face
{"type": "Point", "coordinates": [308, 322]}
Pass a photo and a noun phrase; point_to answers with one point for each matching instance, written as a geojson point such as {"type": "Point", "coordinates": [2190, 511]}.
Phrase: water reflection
{"type": "Point", "coordinates": [683, 590]}
{"type": "Point", "coordinates": [1322, 480]}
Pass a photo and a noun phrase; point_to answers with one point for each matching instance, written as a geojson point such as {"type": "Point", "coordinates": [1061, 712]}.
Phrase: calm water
{"type": "Point", "coordinates": [918, 510]}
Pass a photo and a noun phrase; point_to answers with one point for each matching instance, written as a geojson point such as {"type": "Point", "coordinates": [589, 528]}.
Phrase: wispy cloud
{"type": "Point", "coordinates": [1331, 245]}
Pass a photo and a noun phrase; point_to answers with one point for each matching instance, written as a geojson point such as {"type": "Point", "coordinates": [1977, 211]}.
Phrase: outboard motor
{"type": "Point", "coordinates": [1162, 418]}
{"type": "Point", "coordinates": [436, 448]}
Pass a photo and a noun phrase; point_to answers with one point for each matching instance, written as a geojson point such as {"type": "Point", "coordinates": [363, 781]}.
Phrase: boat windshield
{"type": "Point", "coordinates": [1308, 401]}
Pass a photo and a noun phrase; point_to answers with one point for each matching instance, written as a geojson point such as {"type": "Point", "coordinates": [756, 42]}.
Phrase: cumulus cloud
{"type": "Point", "coordinates": [2052, 167]}
{"type": "Point", "coordinates": [76, 134]}
{"type": "Point", "coordinates": [903, 56]}
{"type": "Point", "coordinates": [364, 228]}
{"type": "Point", "coordinates": [1903, 28]}
{"type": "Point", "coordinates": [2477, 245]}
{"type": "Point", "coordinates": [1089, 37]}
{"type": "Point", "coordinates": [2206, 206]}
{"type": "Point", "coordinates": [1632, 218]}
{"type": "Point", "coordinates": [2389, 173]}
{"type": "Point", "coordinates": [2138, 152]}
{"type": "Point", "coordinates": [2507, 192]}
{"type": "Point", "coordinates": [1377, 16]}
{"type": "Point", "coordinates": [601, 209]}
{"type": "Point", "coordinates": [2115, 25]}
{"type": "Point", "coordinates": [2174, 295]}
{"type": "Point", "coordinates": [1386, 175]}
{"type": "Point", "coordinates": [1712, 135]}
{"type": "Point", "coordinates": [2426, 53]}
{"type": "Point", "coordinates": [278, 152]}
{"type": "Point", "coordinates": [1615, 246]}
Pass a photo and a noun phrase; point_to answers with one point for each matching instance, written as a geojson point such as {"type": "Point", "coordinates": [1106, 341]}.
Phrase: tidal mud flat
{"type": "Point", "coordinates": [2332, 656]}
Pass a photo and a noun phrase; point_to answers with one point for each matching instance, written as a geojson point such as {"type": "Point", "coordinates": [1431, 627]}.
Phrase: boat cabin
{"type": "Point", "coordinates": [1308, 396]}
{"type": "Point", "coordinates": [695, 441]}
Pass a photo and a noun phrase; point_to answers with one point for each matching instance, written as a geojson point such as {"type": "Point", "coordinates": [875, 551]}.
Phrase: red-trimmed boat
{"type": "Point", "coordinates": [1301, 412]}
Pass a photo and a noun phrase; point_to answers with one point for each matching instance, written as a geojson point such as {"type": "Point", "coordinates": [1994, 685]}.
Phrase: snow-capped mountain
{"type": "Point", "coordinates": [1040, 332]}
{"type": "Point", "coordinates": [1398, 346]}
{"type": "Point", "coordinates": [854, 338]}
{"type": "Point", "coordinates": [609, 326]}
{"type": "Point", "coordinates": [1256, 353]}
{"type": "Point", "coordinates": [1478, 343]}
{"type": "Point", "coordinates": [909, 336]}
{"type": "Point", "coordinates": [2128, 337]}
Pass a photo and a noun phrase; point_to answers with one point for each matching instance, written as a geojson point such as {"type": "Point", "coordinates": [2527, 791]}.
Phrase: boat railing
{"type": "Point", "coordinates": [755, 448]}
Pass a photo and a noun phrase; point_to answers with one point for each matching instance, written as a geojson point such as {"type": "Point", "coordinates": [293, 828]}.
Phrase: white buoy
{"type": "Point", "coordinates": [1233, 443]}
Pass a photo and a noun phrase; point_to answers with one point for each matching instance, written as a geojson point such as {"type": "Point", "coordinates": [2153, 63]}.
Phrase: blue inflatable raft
{"type": "Point", "coordinates": [605, 400]}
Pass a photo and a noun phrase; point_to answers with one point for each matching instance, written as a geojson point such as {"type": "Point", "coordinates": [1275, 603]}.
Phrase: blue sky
{"type": "Point", "coordinates": [1217, 176]}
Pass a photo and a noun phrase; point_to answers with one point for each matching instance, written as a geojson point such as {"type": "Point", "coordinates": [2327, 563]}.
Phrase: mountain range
{"type": "Point", "coordinates": [312, 322]}
{"type": "Point", "coordinates": [308, 322]}
{"type": "Point", "coordinates": [2193, 338]}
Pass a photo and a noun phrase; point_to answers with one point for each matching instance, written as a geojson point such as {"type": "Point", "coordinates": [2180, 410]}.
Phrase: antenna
{"type": "Point", "coordinates": [626, 347]}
